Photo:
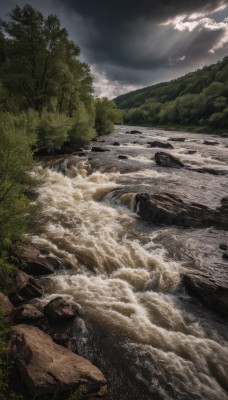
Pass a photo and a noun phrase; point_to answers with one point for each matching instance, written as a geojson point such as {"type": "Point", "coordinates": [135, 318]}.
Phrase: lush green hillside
{"type": "Point", "coordinates": [198, 100]}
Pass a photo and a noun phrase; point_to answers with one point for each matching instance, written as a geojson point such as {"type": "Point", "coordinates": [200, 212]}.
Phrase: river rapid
{"type": "Point", "coordinates": [138, 324]}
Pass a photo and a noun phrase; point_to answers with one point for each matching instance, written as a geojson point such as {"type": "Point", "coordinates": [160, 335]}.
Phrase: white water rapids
{"type": "Point", "coordinates": [125, 285]}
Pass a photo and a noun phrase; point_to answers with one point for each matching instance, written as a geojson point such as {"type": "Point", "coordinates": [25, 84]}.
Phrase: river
{"type": "Point", "coordinates": [138, 324]}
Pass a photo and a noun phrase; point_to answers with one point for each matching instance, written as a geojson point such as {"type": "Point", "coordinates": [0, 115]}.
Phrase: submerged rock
{"type": "Point", "coordinates": [223, 246]}
{"type": "Point", "coordinates": [181, 139]}
{"type": "Point", "coordinates": [210, 142]}
{"type": "Point", "coordinates": [21, 287]}
{"type": "Point", "coordinates": [47, 367]}
{"type": "Point", "coordinates": [116, 144]}
{"type": "Point", "coordinates": [99, 149]}
{"type": "Point", "coordinates": [59, 310]}
{"type": "Point", "coordinates": [122, 157]}
{"type": "Point", "coordinates": [169, 209]}
{"type": "Point", "coordinates": [167, 160]}
{"type": "Point", "coordinates": [160, 144]}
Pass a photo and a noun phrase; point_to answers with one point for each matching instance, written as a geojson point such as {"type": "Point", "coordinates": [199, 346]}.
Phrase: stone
{"type": "Point", "coordinates": [169, 209]}
{"type": "Point", "coordinates": [167, 160]}
{"type": "Point", "coordinates": [223, 246]}
{"type": "Point", "coordinates": [211, 171]}
{"type": "Point", "coordinates": [224, 135]}
{"type": "Point", "coordinates": [122, 157]}
{"type": "Point", "coordinates": [36, 264]}
{"type": "Point", "coordinates": [211, 289]}
{"type": "Point", "coordinates": [160, 144]}
{"type": "Point", "coordinates": [225, 256]}
{"type": "Point", "coordinates": [21, 287]}
{"type": "Point", "coordinates": [135, 131]}
{"type": "Point", "coordinates": [26, 313]}
{"type": "Point", "coordinates": [6, 307]}
{"type": "Point", "coordinates": [99, 149]}
{"type": "Point", "coordinates": [116, 144]}
{"type": "Point", "coordinates": [210, 142]}
{"type": "Point", "coordinates": [181, 139]}
{"type": "Point", "coordinates": [191, 152]}
{"type": "Point", "coordinates": [60, 310]}
{"type": "Point", "coordinates": [48, 368]}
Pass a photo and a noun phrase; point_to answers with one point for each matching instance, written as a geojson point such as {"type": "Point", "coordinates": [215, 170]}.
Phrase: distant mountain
{"type": "Point", "coordinates": [198, 100]}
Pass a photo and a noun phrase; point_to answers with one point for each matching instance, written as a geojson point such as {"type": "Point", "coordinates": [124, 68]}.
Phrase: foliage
{"type": "Point", "coordinates": [198, 100]}
{"type": "Point", "coordinates": [106, 115]}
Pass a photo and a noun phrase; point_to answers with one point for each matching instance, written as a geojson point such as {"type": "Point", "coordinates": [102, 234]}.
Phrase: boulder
{"type": "Point", "coordinates": [166, 160]}
{"type": "Point", "coordinates": [169, 209]}
{"type": "Point", "coordinates": [210, 142]}
{"type": "Point", "coordinates": [122, 157]}
{"type": "Point", "coordinates": [99, 149]}
{"type": "Point", "coordinates": [48, 368]}
{"type": "Point", "coordinates": [225, 256]}
{"type": "Point", "coordinates": [26, 313]}
{"type": "Point", "coordinates": [36, 264]}
{"type": "Point", "coordinates": [191, 152]}
{"type": "Point", "coordinates": [135, 131]}
{"type": "Point", "coordinates": [116, 144]}
{"type": "Point", "coordinates": [59, 310]}
{"type": "Point", "coordinates": [164, 145]}
{"type": "Point", "coordinates": [223, 246]}
{"type": "Point", "coordinates": [6, 307]}
{"type": "Point", "coordinates": [224, 135]}
{"type": "Point", "coordinates": [21, 287]}
{"type": "Point", "coordinates": [211, 289]}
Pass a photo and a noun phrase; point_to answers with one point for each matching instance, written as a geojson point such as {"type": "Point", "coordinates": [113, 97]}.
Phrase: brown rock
{"type": "Point", "coordinates": [58, 310]}
{"type": "Point", "coordinates": [176, 139]}
{"type": "Point", "coordinates": [6, 307]}
{"type": "Point", "coordinates": [26, 313]}
{"type": "Point", "coordinates": [166, 160]}
{"type": "Point", "coordinates": [35, 263]}
{"type": "Point", "coordinates": [169, 209]}
{"type": "Point", "coordinates": [21, 287]}
{"type": "Point", "coordinates": [47, 367]}
{"type": "Point", "coordinates": [211, 289]}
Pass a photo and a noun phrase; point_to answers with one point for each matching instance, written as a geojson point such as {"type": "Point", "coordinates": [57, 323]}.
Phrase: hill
{"type": "Point", "coordinates": [198, 100]}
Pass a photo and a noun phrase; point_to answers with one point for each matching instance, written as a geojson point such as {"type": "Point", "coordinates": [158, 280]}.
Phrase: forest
{"type": "Point", "coordinates": [197, 101]}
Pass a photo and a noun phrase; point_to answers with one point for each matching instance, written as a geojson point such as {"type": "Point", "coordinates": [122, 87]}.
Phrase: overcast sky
{"type": "Point", "coordinates": [135, 43]}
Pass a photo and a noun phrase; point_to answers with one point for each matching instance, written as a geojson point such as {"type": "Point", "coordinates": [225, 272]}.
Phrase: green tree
{"type": "Point", "coordinates": [107, 115]}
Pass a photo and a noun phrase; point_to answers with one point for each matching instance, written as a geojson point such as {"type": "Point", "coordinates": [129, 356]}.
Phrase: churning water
{"type": "Point", "coordinates": [149, 337]}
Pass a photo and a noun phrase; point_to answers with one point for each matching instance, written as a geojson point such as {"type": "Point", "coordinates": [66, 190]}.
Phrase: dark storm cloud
{"type": "Point", "coordinates": [119, 12]}
{"type": "Point", "coordinates": [133, 43]}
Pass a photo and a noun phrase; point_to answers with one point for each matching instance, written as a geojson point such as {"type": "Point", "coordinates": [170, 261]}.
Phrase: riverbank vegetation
{"type": "Point", "coordinates": [46, 103]}
{"type": "Point", "coordinates": [197, 101]}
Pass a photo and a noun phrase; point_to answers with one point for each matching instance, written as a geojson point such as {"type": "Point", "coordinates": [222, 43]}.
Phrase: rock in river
{"type": "Point", "coordinates": [47, 367]}
{"type": "Point", "coordinates": [26, 313]}
{"type": "Point", "coordinates": [59, 309]}
{"type": "Point", "coordinates": [36, 264]}
{"type": "Point", "coordinates": [166, 160]}
{"type": "Point", "coordinates": [160, 144]}
{"type": "Point", "coordinates": [212, 290]}
{"type": "Point", "coordinates": [169, 209]}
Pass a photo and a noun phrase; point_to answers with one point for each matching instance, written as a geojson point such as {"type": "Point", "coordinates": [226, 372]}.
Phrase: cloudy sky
{"type": "Point", "coordinates": [135, 43]}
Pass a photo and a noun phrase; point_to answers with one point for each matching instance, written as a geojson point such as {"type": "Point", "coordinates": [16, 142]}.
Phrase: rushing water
{"type": "Point", "coordinates": [150, 338]}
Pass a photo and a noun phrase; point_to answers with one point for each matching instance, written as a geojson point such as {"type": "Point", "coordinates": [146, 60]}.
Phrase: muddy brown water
{"type": "Point", "coordinates": [151, 338]}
